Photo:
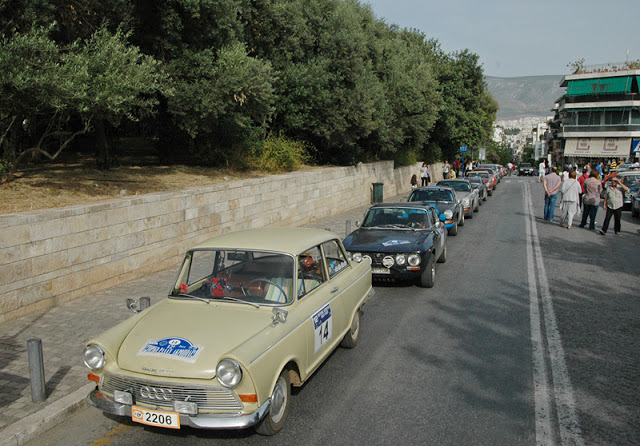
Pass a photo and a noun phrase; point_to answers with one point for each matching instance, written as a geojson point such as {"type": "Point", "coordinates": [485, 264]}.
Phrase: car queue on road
{"type": "Point", "coordinates": [405, 240]}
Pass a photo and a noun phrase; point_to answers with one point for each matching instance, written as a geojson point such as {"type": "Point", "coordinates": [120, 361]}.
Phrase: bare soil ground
{"type": "Point", "coordinates": [57, 184]}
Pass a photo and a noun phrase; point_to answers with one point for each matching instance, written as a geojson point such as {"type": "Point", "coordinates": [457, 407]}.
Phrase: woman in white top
{"type": "Point", "coordinates": [570, 189]}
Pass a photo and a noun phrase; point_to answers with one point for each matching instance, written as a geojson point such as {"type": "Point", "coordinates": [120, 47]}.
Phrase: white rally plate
{"type": "Point", "coordinates": [380, 271]}
{"type": "Point", "coordinates": [157, 418]}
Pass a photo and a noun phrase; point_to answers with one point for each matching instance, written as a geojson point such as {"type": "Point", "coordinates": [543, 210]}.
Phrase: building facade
{"type": "Point", "coordinates": [598, 118]}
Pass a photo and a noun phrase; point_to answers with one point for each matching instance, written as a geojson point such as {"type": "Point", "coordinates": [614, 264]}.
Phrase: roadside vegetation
{"type": "Point", "coordinates": [237, 85]}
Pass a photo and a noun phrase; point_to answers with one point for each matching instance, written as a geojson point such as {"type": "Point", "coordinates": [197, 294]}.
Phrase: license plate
{"type": "Point", "coordinates": [157, 418]}
{"type": "Point", "coordinates": [380, 271]}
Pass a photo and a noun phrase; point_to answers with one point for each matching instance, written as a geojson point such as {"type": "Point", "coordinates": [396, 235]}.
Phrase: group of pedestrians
{"type": "Point", "coordinates": [584, 191]}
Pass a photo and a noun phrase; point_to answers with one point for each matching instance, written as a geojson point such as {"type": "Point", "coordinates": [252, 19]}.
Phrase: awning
{"type": "Point", "coordinates": [598, 147]}
{"type": "Point", "coordinates": [607, 85]}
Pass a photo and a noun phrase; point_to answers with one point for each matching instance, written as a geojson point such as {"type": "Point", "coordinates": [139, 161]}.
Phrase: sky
{"type": "Point", "coordinates": [524, 38]}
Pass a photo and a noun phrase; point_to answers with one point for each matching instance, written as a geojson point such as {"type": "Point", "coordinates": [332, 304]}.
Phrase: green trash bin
{"type": "Point", "coordinates": [377, 192]}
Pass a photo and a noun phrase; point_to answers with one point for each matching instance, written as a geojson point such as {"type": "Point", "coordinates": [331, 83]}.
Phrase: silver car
{"type": "Point", "coordinates": [465, 192]}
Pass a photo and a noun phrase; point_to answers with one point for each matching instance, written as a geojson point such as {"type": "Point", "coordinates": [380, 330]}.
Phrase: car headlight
{"type": "Point", "coordinates": [367, 258]}
{"type": "Point", "coordinates": [94, 357]}
{"type": "Point", "coordinates": [401, 259]}
{"type": "Point", "coordinates": [387, 262]}
{"type": "Point", "coordinates": [229, 373]}
{"type": "Point", "coordinates": [465, 202]}
{"type": "Point", "coordinates": [414, 259]}
{"type": "Point", "coordinates": [448, 213]}
{"type": "Point", "coordinates": [356, 257]}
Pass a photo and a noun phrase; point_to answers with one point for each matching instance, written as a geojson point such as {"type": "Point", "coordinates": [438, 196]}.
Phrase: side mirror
{"type": "Point", "coordinates": [439, 225]}
{"type": "Point", "coordinates": [132, 304]}
{"type": "Point", "coordinates": [358, 223]}
{"type": "Point", "coordinates": [279, 316]}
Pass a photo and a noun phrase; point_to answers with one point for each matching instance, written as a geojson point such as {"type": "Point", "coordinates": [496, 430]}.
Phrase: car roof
{"type": "Point", "coordinates": [286, 240]}
{"type": "Point", "coordinates": [402, 204]}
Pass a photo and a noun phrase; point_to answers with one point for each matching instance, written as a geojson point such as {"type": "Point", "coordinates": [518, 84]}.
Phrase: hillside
{"type": "Point", "coordinates": [525, 96]}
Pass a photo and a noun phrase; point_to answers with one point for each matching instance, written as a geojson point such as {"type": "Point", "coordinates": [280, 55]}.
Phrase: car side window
{"type": "Point", "coordinates": [311, 272]}
{"type": "Point", "coordinates": [432, 217]}
{"type": "Point", "coordinates": [335, 258]}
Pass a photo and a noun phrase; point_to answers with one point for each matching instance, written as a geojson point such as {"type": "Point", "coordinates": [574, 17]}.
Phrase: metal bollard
{"type": "Point", "coordinates": [348, 228]}
{"type": "Point", "coordinates": [36, 370]}
{"type": "Point", "coordinates": [145, 302]}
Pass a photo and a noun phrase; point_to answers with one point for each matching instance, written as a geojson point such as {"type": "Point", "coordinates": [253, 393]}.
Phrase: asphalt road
{"type": "Point", "coordinates": [531, 336]}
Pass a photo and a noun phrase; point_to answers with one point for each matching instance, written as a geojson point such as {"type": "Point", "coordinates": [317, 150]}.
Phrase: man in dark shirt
{"type": "Point", "coordinates": [551, 184]}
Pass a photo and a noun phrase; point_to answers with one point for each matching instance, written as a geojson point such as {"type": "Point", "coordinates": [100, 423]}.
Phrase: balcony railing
{"type": "Point", "coordinates": [611, 67]}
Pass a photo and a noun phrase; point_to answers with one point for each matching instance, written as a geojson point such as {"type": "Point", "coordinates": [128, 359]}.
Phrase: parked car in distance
{"type": "Point", "coordinates": [487, 176]}
{"type": "Point", "coordinates": [481, 187]}
{"type": "Point", "coordinates": [445, 201]}
{"type": "Point", "coordinates": [494, 167]}
{"type": "Point", "coordinates": [250, 314]}
{"type": "Point", "coordinates": [525, 169]}
{"type": "Point", "coordinates": [465, 193]}
{"type": "Point", "coordinates": [403, 241]}
{"type": "Point", "coordinates": [635, 203]}
{"type": "Point", "coordinates": [630, 178]}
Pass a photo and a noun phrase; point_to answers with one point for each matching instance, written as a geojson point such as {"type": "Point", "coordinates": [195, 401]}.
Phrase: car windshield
{"type": "Point", "coordinates": [401, 218]}
{"type": "Point", "coordinates": [478, 174]}
{"type": "Point", "coordinates": [459, 186]}
{"type": "Point", "coordinates": [631, 180]}
{"type": "Point", "coordinates": [431, 195]}
{"type": "Point", "coordinates": [253, 277]}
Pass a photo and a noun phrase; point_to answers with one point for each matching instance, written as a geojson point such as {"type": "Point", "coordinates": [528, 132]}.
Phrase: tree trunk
{"type": "Point", "coordinates": [104, 150]}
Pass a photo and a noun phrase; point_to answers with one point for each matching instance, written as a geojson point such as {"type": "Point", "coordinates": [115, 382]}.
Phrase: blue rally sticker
{"type": "Point", "coordinates": [396, 242]}
{"type": "Point", "coordinates": [322, 316]}
{"type": "Point", "coordinates": [174, 348]}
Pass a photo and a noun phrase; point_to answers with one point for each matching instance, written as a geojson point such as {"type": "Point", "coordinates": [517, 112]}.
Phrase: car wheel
{"type": "Point", "coordinates": [461, 220]}
{"type": "Point", "coordinates": [352, 337]}
{"type": "Point", "coordinates": [428, 276]}
{"type": "Point", "coordinates": [280, 401]}
{"type": "Point", "coordinates": [454, 230]}
{"type": "Point", "coordinates": [490, 192]}
{"type": "Point", "coordinates": [443, 256]}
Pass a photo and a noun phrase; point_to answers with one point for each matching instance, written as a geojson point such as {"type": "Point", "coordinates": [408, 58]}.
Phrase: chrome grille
{"type": "Point", "coordinates": [211, 398]}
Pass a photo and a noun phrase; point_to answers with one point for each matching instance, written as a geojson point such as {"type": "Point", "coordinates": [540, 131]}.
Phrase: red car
{"type": "Point", "coordinates": [489, 178]}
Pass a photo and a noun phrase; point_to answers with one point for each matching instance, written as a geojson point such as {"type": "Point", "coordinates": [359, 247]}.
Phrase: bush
{"type": "Point", "coordinates": [280, 154]}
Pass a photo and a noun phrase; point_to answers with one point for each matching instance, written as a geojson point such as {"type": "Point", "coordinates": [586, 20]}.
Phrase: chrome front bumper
{"type": "Point", "coordinates": [200, 421]}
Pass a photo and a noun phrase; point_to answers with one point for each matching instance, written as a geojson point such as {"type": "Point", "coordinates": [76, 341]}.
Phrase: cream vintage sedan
{"type": "Point", "coordinates": [251, 313]}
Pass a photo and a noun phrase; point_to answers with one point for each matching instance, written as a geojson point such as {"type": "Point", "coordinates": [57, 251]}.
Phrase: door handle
{"type": "Point", "coordinates": [335, 290]}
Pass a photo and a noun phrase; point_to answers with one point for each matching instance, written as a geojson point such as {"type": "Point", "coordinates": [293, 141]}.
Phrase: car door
{"type": "Point", "coordinates": [324, 319]}
{"type": "Point", "coordinates": [439, 231]}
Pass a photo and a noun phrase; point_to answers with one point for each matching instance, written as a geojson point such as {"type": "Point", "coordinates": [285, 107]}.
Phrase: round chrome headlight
{"type": "Point", "coordinates": [94, 357]}
{"type": "Point", "coordinates": [465, 202]}
{"type": "Point", "coordinates": [229, 373]}
{"type": "Point", "coordinates": [357, 257]}
{"type": "Point", "coordinates": [414, 260]}
{"type": "Point", "coordinates": [367, 257]}
{"type": "Point", "coordinates": [387, 262]}
{"type": "Point", "coordinates": [401, 259]}
{"type": "Point", "coordinates": [448, 213]}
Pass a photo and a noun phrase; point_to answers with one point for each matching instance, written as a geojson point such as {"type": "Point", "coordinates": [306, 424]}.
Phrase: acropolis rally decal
{"type": "Point", "coordinates": [395, 242]}
{"type": "Point", "coordinates": [173, 348]}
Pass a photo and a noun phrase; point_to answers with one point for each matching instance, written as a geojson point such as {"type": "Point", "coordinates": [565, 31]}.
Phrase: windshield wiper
{"type": "Point", "coordinates": [235, 299]}
{"type": "Point", "coordinates": [191, 296]}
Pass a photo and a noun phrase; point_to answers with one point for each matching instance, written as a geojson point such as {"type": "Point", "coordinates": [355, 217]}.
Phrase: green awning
{"type": "Point", "coordinates": [609, 85]}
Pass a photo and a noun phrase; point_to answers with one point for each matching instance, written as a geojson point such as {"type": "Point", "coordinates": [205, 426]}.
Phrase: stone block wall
{"type": "Point", "coordinates": [53, 256]}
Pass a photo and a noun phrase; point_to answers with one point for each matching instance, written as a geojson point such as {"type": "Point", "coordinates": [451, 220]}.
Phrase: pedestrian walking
{"type": "Point", "coordinates": [613, 201]}
{"type": "Point", "coordinates": [581, 180]}
{"type": "Point", "coordinates": [570, 190]}
{"type": "Point", "coordinates": [551, 185]}
{"type": "Point", "coordinates": [456, 167]}
{"type": "Point", "coordinates": [445, 170]}
{"type": "Point", "coordinates": [541, 171]}
{"type": "Point", "coordinates": [425, 174]}
{"type": "Point", "coordinates": [591, 199]}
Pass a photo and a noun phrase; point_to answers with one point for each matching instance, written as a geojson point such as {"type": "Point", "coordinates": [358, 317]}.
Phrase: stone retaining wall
{"type": "Point", "coordinates": [53, 256]}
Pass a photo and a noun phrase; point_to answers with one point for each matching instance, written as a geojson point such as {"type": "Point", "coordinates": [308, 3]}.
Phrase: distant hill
{"type": "Point", "coordinates": [525, 96]}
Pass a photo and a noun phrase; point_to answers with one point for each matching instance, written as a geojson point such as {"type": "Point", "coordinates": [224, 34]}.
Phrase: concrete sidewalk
{"type": "Point", "coordinates": [64, 331]}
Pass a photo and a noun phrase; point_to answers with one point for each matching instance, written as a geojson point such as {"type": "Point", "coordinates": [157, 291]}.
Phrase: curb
{"type": "Point", "coordinates": [20, 432]}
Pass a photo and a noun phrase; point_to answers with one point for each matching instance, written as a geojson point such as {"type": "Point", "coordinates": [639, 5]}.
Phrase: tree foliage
{"type": "Point", "coordinates": [212, 78]}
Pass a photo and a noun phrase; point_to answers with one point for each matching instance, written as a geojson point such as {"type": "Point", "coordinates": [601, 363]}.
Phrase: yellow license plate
{"type": "Point", "coordinates": [157, 418]}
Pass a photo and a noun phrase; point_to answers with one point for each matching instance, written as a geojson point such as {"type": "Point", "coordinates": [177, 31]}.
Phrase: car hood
{"type": "Point", "coordinates": [441, 206]}
{"type": "Point", "coordinates": [387, 240]}
{"type": "Point", "coordinates": [460, 195]}
{"type": "Point", "coordinates": [185, 339]}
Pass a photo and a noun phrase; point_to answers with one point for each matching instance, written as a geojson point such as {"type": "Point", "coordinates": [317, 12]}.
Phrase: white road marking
{"type": "Point", "coordinates": [544, 434]}
{"type": "Point", "coordinates": [569, 428]}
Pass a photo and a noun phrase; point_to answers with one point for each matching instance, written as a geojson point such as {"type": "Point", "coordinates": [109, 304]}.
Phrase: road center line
{"type": "Point", "coordinates": [544, 434]}
{"type": "Point", "coordinates": [570, 433]}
